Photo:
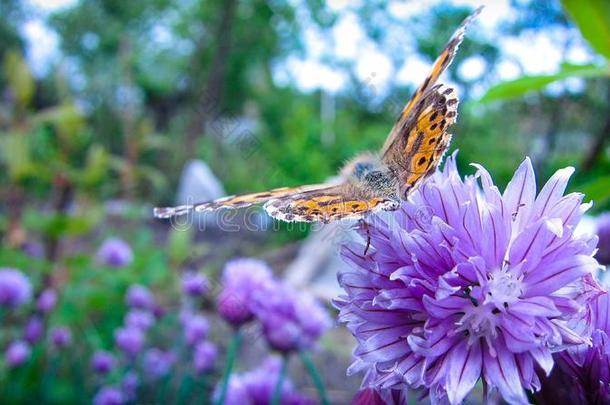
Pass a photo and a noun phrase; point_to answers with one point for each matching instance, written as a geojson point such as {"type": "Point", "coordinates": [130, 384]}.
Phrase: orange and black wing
{"type": "Point", "coordinates": [235, 201]}
{"type": "Point", "coordinates": [441, 63]}
{"type": "Point", "coordinates": [331, 204]}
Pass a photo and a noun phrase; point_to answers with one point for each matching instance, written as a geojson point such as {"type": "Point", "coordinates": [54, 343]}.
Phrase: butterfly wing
{"type": "Point", "coordinates": [235, 201]}
{"type": "Point", "coordinates": [441, 63]}
{"type": "Point", "coordinates": [326, 205]}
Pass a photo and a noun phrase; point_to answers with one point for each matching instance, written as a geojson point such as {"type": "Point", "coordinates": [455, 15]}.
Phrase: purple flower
{"type": "Point", "coordinates": [290, 320]}
{"type": "Point", "coordinates": [61, 337]}
{"type": "Point", "coordinates": [129, 385]}
{"type": "Point", "coordinates": [196, 329]}
{"type": "Point", "coordinates": [603, 231]}
{"type": "Point", "coordinates": [158, 363]}
{"type": "Point", "coordinates": [194, 284]}
{"type": "Point", "coordinates": [46, 301]}
{"type": "Point", "coordinates": [109, 396]}
{"type": "Point", "coordinates": [466, 278]}
{"type": "Point", "coordinates": [204, 357]}
{"type": "Point", "coordinates": [140, 297]}
{"type": "Point", "coordinates": [114, 252]}
{"type": "Point", "coordinates": [130, 340]}
{"type": "Point", "coordinates": [373, 396]}
{"type": "Point", "coordinates": [140, 319]}
{"type": "Point", "coordinates": [15, 288]}
{"type": "Point", "coordinates": [257, 386]}
{"type": "Point", "coordinates": [240, 279]}
{"type": "Point", "coordinates": [102, 362]}
{"type": "Point", "coordinates": [33, 249]}
{"type": "Point", "coordinates": [17, 353]}
{"type": "Point", "coordinates": [582, 374]}
{"type": "Point", "coordinates": [33, 330]}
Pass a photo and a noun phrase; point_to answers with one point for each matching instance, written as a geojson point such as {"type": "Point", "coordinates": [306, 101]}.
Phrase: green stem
{"type": "Point", "coordinates": [277, 392]}
{"type": "Point", "coordinates": [231, 355]}
{"type": "Point", "coordinates": [315, 376]}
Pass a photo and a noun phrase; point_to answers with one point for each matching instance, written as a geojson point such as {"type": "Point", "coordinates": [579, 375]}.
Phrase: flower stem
{"type": "Point", "coordinates": [277, 392]}
{"type": "Point", "coordinates": [315, 376]}
{"type": "Point", "coordinates": [231, 354]}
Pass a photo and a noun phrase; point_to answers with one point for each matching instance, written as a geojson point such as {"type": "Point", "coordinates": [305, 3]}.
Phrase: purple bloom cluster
{"type": "Point", "coordinates": [240, 279]}
{"type": "Point", "coordinates": [194, 284]}
{"type": "Point", "coordinates": [115, 252]}
{"type": "Point", "coordinates": [204, 357]}
{"type": "Point", "coordinates": [46, 301]}
{"type": "Point", "coordinates": [61, 337]}
{"type": "Point", "coordinates": [158, 363]}
{"type": "Point", "coordinates": [109, 396]}
{"type": "Point", "coordinates": [603, 232]}
{"type": "Point", "coordinates": [257, 386]}
{"type": "Point", "coordinates": [33, 330]}
{"type": "Point", "coordinates": [15, 288]}
{"type": "Point", "coordinates": [140, 297]}
{"type": "Point", "coordinates": [102, 362]}
{"type": "Point", "coordinates": [17, 353]}
{"type": "Point", "coordinates": [466, 283]}
{"type": "Point", "coordinates": [291, 321]}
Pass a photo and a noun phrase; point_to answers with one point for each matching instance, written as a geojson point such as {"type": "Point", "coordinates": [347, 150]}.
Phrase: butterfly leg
{"type": "Point", "coordinates": [365, 225]}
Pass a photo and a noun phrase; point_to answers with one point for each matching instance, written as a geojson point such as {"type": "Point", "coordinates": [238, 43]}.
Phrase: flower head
{"type": "Point", "coordinates": [46, 301]}
{"type": "Point", "coordinates": [582, 374]}
{"type": "Point", "coordinates": [158, 363]}
{"type": "Point", "coordinates": [290, 320]}
{"type": "Point", "coordinates": [102, 362]}
{"type": "Point", "coordinates": [140, 319]}
{"type": "Point", "coordinates": [115, 252]}
{"type": "Point", "coordinates": [129, 339]}
{"type": "Point", "coordinates": [196, 328]}
{"type": "Point", "coordinates": [194, 284]}
{"type": "Point", "coordinates": [240, 279]}
{"type": "Point", "coordinates": [33, 330]}
{"type": "Point", "coordinates": [17, 353]}
{"type": "Point", "coordinates": [603, 231]}
{"type": "Point", "coordinates": [129, 385]}
{"type": "Point", "coordinates": [109, 395]}
{"type": "Point", "coordinates": [467, 278]}
{"type": "Point", "coordinates": [204, 357]}
{"type": "Point", "coordinates": [61, 337]}
{"type": "Point", "coordinates": [140, 297]}
{"type": "Point", "coordinates": [15, 288]}
{"type": "Point", "coordinates": [257, 386]}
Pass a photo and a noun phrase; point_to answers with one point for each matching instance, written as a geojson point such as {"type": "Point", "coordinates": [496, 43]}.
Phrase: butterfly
{"type": "Point", "coordinates": [371, 181]}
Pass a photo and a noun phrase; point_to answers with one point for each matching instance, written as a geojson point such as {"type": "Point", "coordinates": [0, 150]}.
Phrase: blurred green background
{"type": "Point", "coordinates": [102, 102]}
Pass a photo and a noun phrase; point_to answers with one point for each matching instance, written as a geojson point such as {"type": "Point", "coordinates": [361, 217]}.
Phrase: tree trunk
{"type": "Point", "coordinates": [210, 98]}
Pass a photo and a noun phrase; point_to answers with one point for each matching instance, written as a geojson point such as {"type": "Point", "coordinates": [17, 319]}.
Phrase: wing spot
{"type": "Point", "coordinates": [452, 101]}
{"type": "Point", "coordinates": [448, 91]}
{"type": "Point", "coordinates": [421, 161]}
{"type": "Point", "coordinates": [433, 140]}
{"type": "Point", "coordinates": [433, 116]}
{"type": "Point", "coordinates": [442, 124]}
{"type": "Point", "coordinates": [451, 114]}
{"type": "Point", "coordinates": [433, 127]}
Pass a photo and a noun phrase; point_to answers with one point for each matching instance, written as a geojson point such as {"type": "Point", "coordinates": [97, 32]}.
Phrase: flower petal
{"type": "Point", "coordinates": [552, 191]}
{"type": "Point", "coordinates": [548, 278]}
{"type": "Point", "coordinates": [465, 363]}
{"type": "Point", "coordinates": [520, 193]}
{"type": "Point", "coordinates": [502, 372]}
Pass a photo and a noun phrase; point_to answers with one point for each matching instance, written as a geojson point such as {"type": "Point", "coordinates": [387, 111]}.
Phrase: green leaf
{"type": "Point", "coordinates": [525, 84]}
{"type": "Point", "coordinates": [15, 153]}
{"type": "Point", "coordinates": [19, 77]}
{"type": "Point", "coordinates": [593, 20]}
{"type": "Point", "coordinates": [597, 190]}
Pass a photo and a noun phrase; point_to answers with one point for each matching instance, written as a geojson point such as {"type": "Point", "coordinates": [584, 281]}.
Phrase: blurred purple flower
{"type": "Point", "coordinates": [603, 231]}
{"type": "Point", "coordinates": [33, 249]}
{"type": "Point", "coordinates": [129, 385]}
{"type": "Point", "coordinates": [17, 353]}
{"type": "Point", "coordinates": [46, 301]}
{"type": "Point", "coordinates": [241, 277]}
{"type": "Point", "coordinates": [61, 337]}
{"type": "Point", "coordinates": [204, 357]}
{"type": "Point", "coordinates": [129, 340]}
{"type": "Point", "coordinates": [158, 363]}
{"type": "Point", "coordinates": [114, 252]}
{"type": "Point", "coordinates": [102, 362]}
{"type": "Point", "coordinates": [138, 318]}
{"type": "Point", "coordinates": [109, 395]}
{"type": "Point", "coordinates": [15, 288]}
{"type": "Point", "coordinates": [582, 374]}
{"type": "Point", "coordinates": [140, 297]}
{"type": "Point", "coordinates": [196, 328]}
{"type": "Point", "coordinates": [373, 396]}
{"type": "Point", "coordinates": [290, 320]}
{"type": "Point", "coordinates": [466, 278]}
{"type": "Point", "coordinates": [33, 330]}
{"type": "Point", "coordinates": [194, 284]}
{"type": "Point", "coordinates": [257, 386]}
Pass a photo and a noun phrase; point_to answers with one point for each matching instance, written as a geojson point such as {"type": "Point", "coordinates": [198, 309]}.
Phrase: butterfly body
{"type": "Point", "coordinates": [371, 181]}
